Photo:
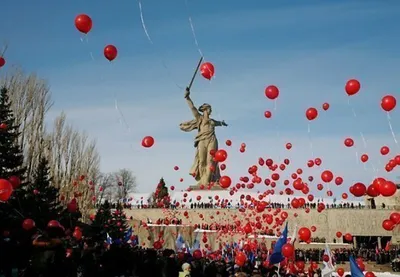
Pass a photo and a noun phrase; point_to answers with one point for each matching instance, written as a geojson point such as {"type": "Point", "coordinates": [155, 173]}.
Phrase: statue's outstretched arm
{"type": "Point", "coordinates": [195, 112]}
{"type": "Point", "coordinates": [220, 123]}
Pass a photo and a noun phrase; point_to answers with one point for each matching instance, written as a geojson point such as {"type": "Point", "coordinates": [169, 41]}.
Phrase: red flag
{"type": "Point", "coordinates": [387, 247]}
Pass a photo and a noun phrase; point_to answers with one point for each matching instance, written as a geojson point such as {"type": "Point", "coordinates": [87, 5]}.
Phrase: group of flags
{"type": "Point", "coordinates": [277, 257]}
{"type": "Point", "coordinates": [228, 252]}
{"type": "Point", "coordinates": [181, 245]}
{"type": "Point", "coordinates": [127, 238]}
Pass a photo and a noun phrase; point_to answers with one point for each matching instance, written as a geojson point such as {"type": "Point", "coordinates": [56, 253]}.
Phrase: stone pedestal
{"type": "Point", "coordinates": [215, 187]}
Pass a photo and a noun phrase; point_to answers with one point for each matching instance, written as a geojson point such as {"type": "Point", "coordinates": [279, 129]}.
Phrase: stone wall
{"type": "Point", "coordinates": [358, 222]}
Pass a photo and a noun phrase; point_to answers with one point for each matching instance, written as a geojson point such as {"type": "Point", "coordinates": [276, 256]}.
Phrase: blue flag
{"type": "Point", "coordinates": [354, 269]}
{"type": "Point", "coordinates": [180, 242]}
{"type": "Point", "coordinates": [277, 257]}
{"type": "Point", "coordinates": [128, 234]}
{"type": "Point", "coordinates": [109, 239]}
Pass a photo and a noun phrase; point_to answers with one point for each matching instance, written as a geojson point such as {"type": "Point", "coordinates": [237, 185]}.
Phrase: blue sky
{"type": "Point", "coordinates": [309, 49]}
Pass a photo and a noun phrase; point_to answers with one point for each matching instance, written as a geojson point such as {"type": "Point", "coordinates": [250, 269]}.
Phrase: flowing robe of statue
{"type": "Point", "coordinates": [204, 169]}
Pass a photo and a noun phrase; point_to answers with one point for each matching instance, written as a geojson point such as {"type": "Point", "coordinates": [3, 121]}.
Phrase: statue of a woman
{"type": "Point", "coordinates": [204, 169]}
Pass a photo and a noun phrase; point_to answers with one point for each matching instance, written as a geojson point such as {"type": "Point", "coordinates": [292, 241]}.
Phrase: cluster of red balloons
{"type": "Point", "coordinates": [84, 24]}
{"type": "Point", "coordinates": [379, 186]}
{"type": "Point", "coordinates": [392, 163]}
{"type": "Point", "coordinates": [392, 222]}
{"type": "Point", "coordinates": [7, 187]}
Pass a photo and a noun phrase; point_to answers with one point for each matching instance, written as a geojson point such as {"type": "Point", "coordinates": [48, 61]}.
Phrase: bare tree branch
{"type": "Point", "coordinates": [126, 182]}
{"type": "Point", "coordinates": [70, 153]}
{"type": "Point", "coordinates": [30, 101]}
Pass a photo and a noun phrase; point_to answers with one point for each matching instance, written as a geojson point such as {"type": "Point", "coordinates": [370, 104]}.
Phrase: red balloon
{"type": "Point", "coordinates": [327, 176]}
{"type": "Point", "coordinates": [247, 228]}
{"type": "Point", "coordinates": [304, 234]}
{"type": "Point", "coordinates": [388, 225]}
{"type": "Point", "coordinates": [197, 254]}
{"type": "Point", "coordinates": [340, 271]}
{"type": "Point", "coordinates": [338, 181]}
{"type": "Point", "coordinates": [349, 142]}
{"type": "Point", "coordinates": [77, 234]}
{"type": "Point", "coordinates": [221, 155]}
{"type": "Point", "coordinates": [325, 106]}
{"type": "Point", "coordinates": [28, 224]}
{"type": "Point", "coordinates": [6, 189]}
{"type": "Point", "coordinates": [148, 141]}
{"type": "Point", "coordinates": [287, 250]}
{"type": "Point", "coordinates": [207, 70]}
{"type": "Point", "coordinates": [348, 237]}
{"type": "Point", "coordinates": [54, 224]}
{"type": "Point", "coordinates": [352, 87]}
{"type": "Point", "coordinates": [267, 114]}
{"type": "Point", "coordinates": [339, 234]}
{"type": "Point", "coordinates": [359, 189]}
{"type": "Point", "coordinates": [388, 103]}
{"type": "Point", "coordinates": [15, 181]}
{"type": "Point", "coordinates": [72, 206]}
{"type": "Point", "coordinates": [364, 158]}
{"type": "Point", "coordinates": [2, 61]}
{"type": "Point", "coordinates": [395, 217]}
{"type": "Point", "coordinates": [225, 182]}
{"type": "Point", "coordinates": [369, 274]}
{"type": "Point", "coordinates": [83, 23]}
{"type": "Point", "coordinates": [110, 52]}
{"type": "Point", "coordinates": [373, 191]}
{"type": "Point", "coordinates": [271, 92]}
{"type": "Point", "coordinates": [311, 113]}
{"type": "Point", "coordinates": [387, 189]}
{"type": "Point", "coordinates": [385, 150]}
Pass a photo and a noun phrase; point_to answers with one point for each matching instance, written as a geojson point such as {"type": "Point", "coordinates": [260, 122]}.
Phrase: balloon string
{"type": "Point", "coordinates": [121, 117]}
{"type": "Point", "coordinates": [310, 140]}
{"type": "Point", "coordinates": [363, 139]}
{"type": "Point", "coordinates": [391, 128]}
{"type": "Point", "coordinates": [143, 24]}
{"type": "Point", "coordinates": [151, 42]}
{"type": "Point", "coordinates": [193, 31]}
{"type": "Point", "coordinates": [85, 39]}
{"type": "Point", "coordinates": [355, 116]}
{"type": "Point", "coordinates": [357, 157]}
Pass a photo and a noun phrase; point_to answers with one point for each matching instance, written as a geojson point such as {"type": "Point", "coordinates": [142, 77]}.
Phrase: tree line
{"type": "Point", "coordinates": [69, 151]}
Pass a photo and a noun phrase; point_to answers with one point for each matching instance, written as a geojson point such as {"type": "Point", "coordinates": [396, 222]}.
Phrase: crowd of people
{"type": "Point", "coordinates": [46, 254]}
{"type": "Point", "coordinates": [210, 205]}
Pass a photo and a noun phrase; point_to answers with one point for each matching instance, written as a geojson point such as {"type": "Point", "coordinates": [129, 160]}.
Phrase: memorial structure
{"type": "Point", "coordinates": [205, 170]}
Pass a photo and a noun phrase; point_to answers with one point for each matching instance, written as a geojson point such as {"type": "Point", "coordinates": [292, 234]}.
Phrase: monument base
{"type": "Point", "coordinates": [214, 187]}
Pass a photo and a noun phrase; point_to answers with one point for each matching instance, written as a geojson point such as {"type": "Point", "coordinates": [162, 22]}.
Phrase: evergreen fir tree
{"type": "Point", "coordinates": [11, 161]}
{"type": "Point", "coordinates": [101, 221]}
{"type": "Point", "coordinates": [118, 225]}
{"type": "Point", "coordinates": [42, 198]}
{"type": "Point", "coordinates": [161, 197]}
